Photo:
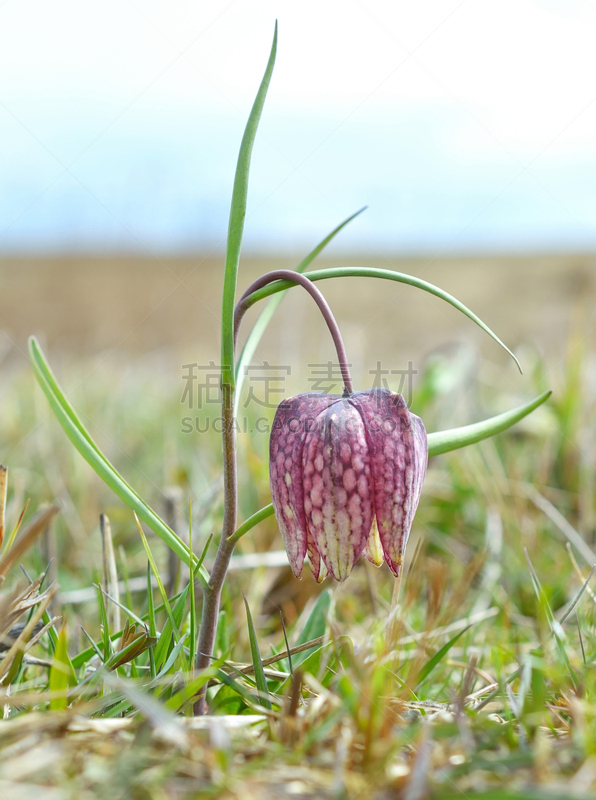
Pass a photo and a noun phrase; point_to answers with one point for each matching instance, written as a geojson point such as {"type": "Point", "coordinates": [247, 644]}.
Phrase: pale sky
{"type": "Point", "coordinates": [464, 126]}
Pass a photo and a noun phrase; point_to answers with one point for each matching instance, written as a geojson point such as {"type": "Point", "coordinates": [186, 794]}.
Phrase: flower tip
{"type": "Point", "coordinates": [395, 567]}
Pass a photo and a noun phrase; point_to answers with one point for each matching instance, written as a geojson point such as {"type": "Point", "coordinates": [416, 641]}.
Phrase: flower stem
{"type": "Point", "coordinates": [212, 592]}
{"type": "Point", "coordinates": [290, 275]}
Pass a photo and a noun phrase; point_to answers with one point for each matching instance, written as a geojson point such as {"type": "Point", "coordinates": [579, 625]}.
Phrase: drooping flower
{"type": "Point", "coordinates": [346, 475]}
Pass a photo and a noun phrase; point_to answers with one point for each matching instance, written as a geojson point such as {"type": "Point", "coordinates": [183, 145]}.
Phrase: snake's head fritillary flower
{"type": "Point", "coordinates": [346, 475]}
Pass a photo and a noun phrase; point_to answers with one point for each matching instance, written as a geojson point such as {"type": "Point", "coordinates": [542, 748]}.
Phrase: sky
{"type": "Point", "coordinates": [463, 125]}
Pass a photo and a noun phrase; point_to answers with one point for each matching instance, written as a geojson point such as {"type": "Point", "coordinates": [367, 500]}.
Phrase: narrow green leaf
{"type": "Point", "coordinates": [132, 650]}
{"type": "Point", "coordinates": [555, 626]}
{"type": "Point", "coordinates": [14, 670]}
{"type": "Point", "coordinates": [438, 443]}
{"type": "Point", "coordinates": [105, 627]}
{"type": "Point", "coordinates": [260, 515]}
{"type": "Point", "coordinates": [61, 672]}
{"type": "Point", "coordinates": [222, 637]}
{"type": "Point", "coordinates": [192, 629]}
{"type": "Point", "coordinates": [160, 586]}
{"type": "Point", "coordinates": [125, 576]}
{"type": "Point", "coordinates": [150, 604]}
{"type": "Point", "coordinates": [260, 326]}
{"type": "Point", "coordinates": [236, 222]}
{"type": "Point", "coordinates": [81, 439]}
{"type": "Point", "coordinates": [124, 608]}
{"type": "Point", "coordinates": [8, 543]}
{"type": "Point", "coordinates": [260, 678]}
{"type": "Point", "coordinates": [52, 640]}
{"type": "Point", "coordinates": [249, 697]}
{"type": "Point", "coordinates": [229, 701]}
{"type": "Point", "coordinates": [90, 652]}
{"type": "Point", "coordinates": [188, 692]}
{"type": "Point", "coordinates": [124, 708]}
{"type": "Point", "coordinates": [150, 708]}
{"type": "Point", "coordinates": [311, 665]}
{"type": "Point", "coordinates": [445, 441]}
{"type": "Point", "coordinates": [314, 629]}
{"type": "Point", "coordinates": [385, 274]}
{"type": "Point", "coordinates": [84, 656]}
{"type": "Point", "coordinates": [162, 647]}
{"type": "Point", "coordinates": [438, 657]}
{"type": "Point", "coordinates": [171, 660]}
{"type": "Point", "coordinates": [315, 626]}
{"type": "Point", "coordinates": [578, 596]}
{"type": "Point", "coordinates": [193, 615]}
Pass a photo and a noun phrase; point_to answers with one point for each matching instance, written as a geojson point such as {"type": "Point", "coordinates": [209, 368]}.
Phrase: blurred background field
{"type": "Point", "coordinates": [138, 305]}
{"type": "Point", "coordinates": [484, 512]}
{"type": "Point", "coordinates": [119, 332]}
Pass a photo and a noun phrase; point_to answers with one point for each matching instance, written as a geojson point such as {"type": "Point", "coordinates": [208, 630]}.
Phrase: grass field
{"type": "Point", "coordinates": [471, 676]}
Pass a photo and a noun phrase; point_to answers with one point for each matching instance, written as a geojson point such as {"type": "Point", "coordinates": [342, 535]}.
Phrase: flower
{"type": "Point", "coordinates": [346, 475]}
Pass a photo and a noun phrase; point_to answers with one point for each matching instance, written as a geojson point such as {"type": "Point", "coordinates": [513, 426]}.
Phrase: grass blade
{"type": "Point", "coordinates": [105, 627]}
{"type": "Point", "coordinates": [188, 692]}
{"type": "Point", "coordinates": [438, 657]}
{"type": "Point", "coordinates": [161, 649]}
{"type": "Point", "coordinates": [315, 626]}
{"type": "Point", "coordinates": [81, 439]}
{"type": "Point", "coordinates": [60, 672]}
{"type": "Point", "coordinates": [247, 696]}
{"type": "Point", "coordinates": [110, 571]}
{"type": "Point", "coordinates": [15, 530]}
{"type": "Point", "coordinates": [135, 647]}
{"type": "Point", "coordinates": [192, 632]}
{"type": "Point", "coordinates": [3, 489]}
{"type": "Point", "coordinates": [578, 596]}
{"type": "Point", "coordinates": [151, 621]}
{"type": "Point", "coordinates": [82, 657]}
{"type": "Point", "coordinates": [236, 223]}
{"type": "Point", "coordinates": [555, 626]}
{"type": "Point", "coordinates": [176, 650]}
{"type": "Point", "coordinates": [160, 585]}
{"type": "Point", "coordinates": [158, 716]}
{"type": "Point", "coordinates": [260, 679]}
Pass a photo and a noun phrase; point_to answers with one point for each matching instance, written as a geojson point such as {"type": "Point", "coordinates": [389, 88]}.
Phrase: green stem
{"type": "Point", "coordinates": [212, 592]}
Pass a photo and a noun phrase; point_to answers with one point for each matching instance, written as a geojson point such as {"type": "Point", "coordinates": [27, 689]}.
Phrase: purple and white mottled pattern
{"type": "Point", "coordinates": [399, 453]}
{"type": "Point", "coordinates": [292, 420]}
{"type": "Point", "coordinates": [339, 464]}
{"type": "Point", "coordinates": [337, 487]}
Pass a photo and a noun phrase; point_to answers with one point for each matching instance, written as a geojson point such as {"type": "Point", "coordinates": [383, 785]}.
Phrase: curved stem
{"type": "Point", "coordinates": [386, 274]}
{"type": "Point", "coordinates": [295, 277]}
